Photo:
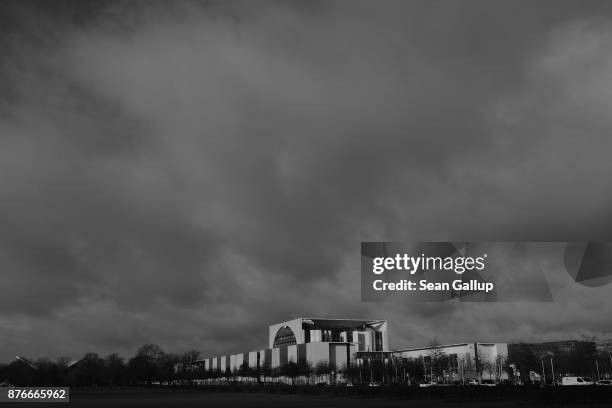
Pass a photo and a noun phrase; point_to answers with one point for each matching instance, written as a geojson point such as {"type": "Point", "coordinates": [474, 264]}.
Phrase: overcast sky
{"type": "Point", "coordinates": [187, 174]}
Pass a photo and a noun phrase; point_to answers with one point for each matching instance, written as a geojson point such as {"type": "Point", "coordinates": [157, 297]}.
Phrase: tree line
{"type": "Point", "coordinates": [149, 365]}
{"type": "Point", "coordinates": [582, 358]}
{"type": "Point", "coordinates": [363, 371]}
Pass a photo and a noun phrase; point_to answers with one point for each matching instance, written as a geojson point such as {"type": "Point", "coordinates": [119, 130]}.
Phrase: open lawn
{"type": "Point", "coordinates": [198, 398]}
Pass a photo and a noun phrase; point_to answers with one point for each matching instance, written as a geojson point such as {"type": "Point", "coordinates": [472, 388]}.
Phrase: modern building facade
{"type": "Point", "coordinates": [364, 334]}
{"type": "Point", "coordinates": [566, 346]}
{"type": "Point", "coordinates": [463, 361]}
{"type": "Point", "coordinates": [313, 341]}
{"type": "Point", "coordinates": [342, 344]}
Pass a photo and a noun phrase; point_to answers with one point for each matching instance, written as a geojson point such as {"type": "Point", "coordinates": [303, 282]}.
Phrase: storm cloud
{"type": "Point", "coordinates": [188, 173]}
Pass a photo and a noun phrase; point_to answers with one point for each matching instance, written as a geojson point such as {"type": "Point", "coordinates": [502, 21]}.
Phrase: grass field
{"type": "Point", "coordinates": [195, 398]}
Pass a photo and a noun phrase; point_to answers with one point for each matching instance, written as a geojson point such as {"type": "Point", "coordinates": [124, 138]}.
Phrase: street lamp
{"type": "Point", "coordinates": [395, 366]}
{"type": "Point", "coordinates": [607, 346]}
{"type": "Point", "coordinates": [552, 367]}
{"type": "Point", "coordinates": [384, 361]}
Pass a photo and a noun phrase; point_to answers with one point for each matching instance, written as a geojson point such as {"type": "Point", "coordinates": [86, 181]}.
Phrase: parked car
{"type": "Point", "coordinates": [428, 384]}
{"type": "Point", "coordinates": [488, 383]}
{"type": "Point", "coordinates": [604, 382]}
{"type": "Point", "coordinates": [374, 384]}
{"type": "Point", "coordinates": [472, 382]}
{"type": "Point", "coordinates": [349, 384]}
{"type": "Point", "coordinates": [576, 381]}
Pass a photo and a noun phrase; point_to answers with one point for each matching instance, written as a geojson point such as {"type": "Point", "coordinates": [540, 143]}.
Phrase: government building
{"type": "Point", "coordinates": [342, 345]}
{"type": "Point", "coordinates": [334, 342]}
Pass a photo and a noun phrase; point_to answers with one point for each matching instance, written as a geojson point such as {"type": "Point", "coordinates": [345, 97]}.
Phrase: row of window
{"type": "Point", "coordinates": [286, 337]}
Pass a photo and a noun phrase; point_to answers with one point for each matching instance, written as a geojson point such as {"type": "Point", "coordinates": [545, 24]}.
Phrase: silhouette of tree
{"type": "Point", "coordinates": [290, 370]}
{"type": "Point", "coordinates": [20, 374]}
{"type": "Point", "coordinates": [524, 359]}
{"type": "Point", "coordinates": [322, 368]}
{"type": "Point", "coordinates": [305, 369]}
{"type": "Point", "coordinates": [190, 356]}
{"type": "Point", "coordinates": [145, 366]}
{"type": "Point", "coordinates": [115, 370]}
{"type": "Point", "coordinates": [488, 368]}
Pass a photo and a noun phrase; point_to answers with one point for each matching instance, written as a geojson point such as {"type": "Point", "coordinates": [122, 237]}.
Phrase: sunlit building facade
{"type": "Point", "coordinates": [313, 341]}
{"type": "Point", "coordinates": [342, 344]}
{"type": "Point", "coordinates": [464, 361]}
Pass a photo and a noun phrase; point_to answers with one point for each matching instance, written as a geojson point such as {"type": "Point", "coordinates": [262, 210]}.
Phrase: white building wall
{"type": "Point", "coordinates": [317, 352]}
{"type": "Point", "coordinates": [262, 358]}
{"type": "Point", "coordinates": [315, 336]}
{"type": "Point", "coordinates": [370, 338]}
{"type": "Point", "coordinates": [492, 355]}
{"type": "Point", "coordinates": [295, 326]}
{"type": "Point", "coordinates": [486, 353]}
{"type": "Point", "coordinates": [385, 338]}
{"type": "Point", "coordinates": [232, 359]}
{"type": "Point", "coordinates": [275, 357]}
{"type": "Point", "coordinates": [368, 334]}
{"type": "Point", "coordinates": [353, 352]}
{"type": "Point", "coordinates": [253, 359]}
{"type": "Point", "coordinates": [292, 353]}
{"type": "Point", "coordinates": [460, 350]}
{"type": "Point", "coordinates": [339, 351]}
{"type": "Point", "coordinates": [236, 361]}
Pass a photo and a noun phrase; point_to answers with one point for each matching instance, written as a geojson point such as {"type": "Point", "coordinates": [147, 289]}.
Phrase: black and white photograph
{"type": "Point", "coordinates": [324, 203]}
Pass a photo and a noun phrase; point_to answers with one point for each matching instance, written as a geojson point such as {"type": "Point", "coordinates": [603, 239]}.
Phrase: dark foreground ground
{"type": "Point", "coordinates": [198, 398]}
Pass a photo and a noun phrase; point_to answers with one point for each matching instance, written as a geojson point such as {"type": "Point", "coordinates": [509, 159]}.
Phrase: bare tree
{"type": "Point", "coordinates": [489, 368]}
{"type": "Point", "coordinates": [438, 360]}
{"type": "Point", "coordinates": [500, 363]}
{"type": "Point", "coordinates": [322, 368]}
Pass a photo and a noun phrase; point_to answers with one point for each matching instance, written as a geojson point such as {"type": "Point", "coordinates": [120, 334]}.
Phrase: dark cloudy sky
{"type": "Point", "coordinates": [188, 173]}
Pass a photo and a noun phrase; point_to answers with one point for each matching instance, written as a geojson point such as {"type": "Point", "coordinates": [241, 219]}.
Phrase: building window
{"type": "Point", "coordinates": [326, 336]}
{"type": "Point", "coordinates": [284, 337]}
{"type": "Point", "coordinates": [378, 346]}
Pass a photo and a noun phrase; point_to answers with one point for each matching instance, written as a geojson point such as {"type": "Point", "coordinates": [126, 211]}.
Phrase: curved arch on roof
{"type": "Point", "coordinates": [284, 337]}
